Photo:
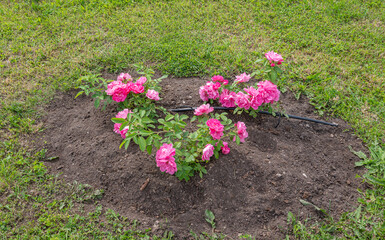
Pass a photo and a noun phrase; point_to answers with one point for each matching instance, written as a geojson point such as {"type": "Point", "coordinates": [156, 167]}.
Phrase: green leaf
{"type": "Point", "coordinates": [123, 142]}
{"type": "Point", "coordinates": [177, 145]}
{"type": "Point", "coordinates": [149, 149]}
{"type": "Point", "coordinates": [184, 172]}
{"type": "Point", "coordinates": [190, 158]}
{"type": "Point", "coordinates": [145, 132]}
{"type": "Point", "coordinates": [118, 120]}
{"type": "Point", "coordinates": [183, 117]}
{"type": "Point", "coordinates": [210, 218]}
{"type": "Point", "coordinates": [306, 203]}
{"type": "Point", "coordinates": [156, 143]}
{"type": "Point", "coordinates": [147, 120]}
{"type": "Point", "coordinates": [149, 140]}
{"type": "Point", "coordinates": [79, 93]}
{"type": "Point", "coordinates": [358, 154]}
{"type": "Point", "coordinates": [97, 102]}
{"type": "Point", "coordinates": [237, 140]}
{"type": "Point", "coordinates": [193, 119]}
{"type": "Point", "coordinates": [375, 180]}
{"type": "Point", "coordinates": [142, 144]}
{"type": "Point", "coordinates": [125, 124]}
{"type": "Point", "coordinates": [127, 143]}
{"type": "Point", "coordinates": [193, 135]}
{"type": "Point", "coordinates": [169, 117]}
{"type": "Point", "coordinates": [169, 125]}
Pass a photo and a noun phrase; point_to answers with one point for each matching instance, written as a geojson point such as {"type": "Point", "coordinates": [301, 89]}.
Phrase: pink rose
{"type": "Point", "coordinates": [124, 131]}
{"type": "Point", "coordinates": [243, 100]}
{"type": "Point", "coordinates": [225, 149]}
{"type": "Point", "coordinates": [209, 91]}
{"type": "Point", "coordinates": [152, 94]}
{"type": "Point", "coordinates": [208, 151]}
{"type": "Point", "coordinates": [137, 88]}
{"type": "Point", "coordinates": [122, 114]}
{"type": "Point", "coordinates": [216, 128]}
{"type": "Point", "coordinates": [255, 99]}
{"type": "Point", "coordinates": [268, 92]}
{"type": "Point", "coordinates": [118, 90]}
{"type": "Point", "coordinates": [227, 99]}
{"type": "Point", "coordinates": [120, 94]}
{"type": "Point", "coordinates": [216, 86]}
{"type": "Point", "coordinates": [203, 94]}
{"type": "Point", "coordinates": [141, 80]}
{"type": "Point", "coordinates": [242, 78]}
{"type": "Point", "coordinates": [274, 57]}
{"type": "Point", "coordinates": [203, 109]}
{"type": "Point", "coordinates": [124, 76]}
{"type": "Point", "coordinates": [165, 159]}
{"type": "Point", "coordinates": [112, 86]}
{"type": "Point", "coordinates": [219, 78]}
{"type": "Point", "coordinates": [241, 131]}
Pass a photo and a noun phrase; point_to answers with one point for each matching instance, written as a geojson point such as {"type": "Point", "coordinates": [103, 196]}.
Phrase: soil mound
{"type": "Point", "coordinates": [251, 190]}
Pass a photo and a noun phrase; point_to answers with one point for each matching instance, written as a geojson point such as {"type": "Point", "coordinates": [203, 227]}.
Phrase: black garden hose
{"type": "Point", "coordinates": [188, 108]}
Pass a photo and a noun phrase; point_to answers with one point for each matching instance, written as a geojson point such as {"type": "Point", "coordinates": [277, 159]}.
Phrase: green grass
{"type": "Point", "coordinates": [333, 50]}
{"type": "Point", "coordinates": [35, 205]}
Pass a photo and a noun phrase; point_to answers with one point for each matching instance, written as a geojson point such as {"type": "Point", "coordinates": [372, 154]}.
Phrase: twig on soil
{"type": "Point", "coordinates": [144, 185]}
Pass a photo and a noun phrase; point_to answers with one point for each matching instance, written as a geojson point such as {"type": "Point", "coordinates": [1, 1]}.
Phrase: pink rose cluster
{"type": "Point", "coordinates": [120, 88]}
{"type": "Point", "coordinates": [274, 57]}
{"type": "Point", "coordinates": [267, 92]}
{"type": "Point", "coordinates": [165, 159]}
{"type": "Point", "coordinates": [122, 114]}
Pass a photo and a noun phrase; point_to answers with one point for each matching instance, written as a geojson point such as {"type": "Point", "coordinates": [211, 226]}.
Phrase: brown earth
{"type": "Point", "coordinates": [251, 190]}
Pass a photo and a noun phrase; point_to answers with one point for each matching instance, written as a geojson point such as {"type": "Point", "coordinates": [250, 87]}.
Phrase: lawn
{"type": "Point", "coordinates": [333, 51]}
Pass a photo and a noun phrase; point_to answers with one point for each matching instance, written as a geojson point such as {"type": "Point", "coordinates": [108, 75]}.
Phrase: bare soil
{"type": "Point", "coordinates": [251, 190]}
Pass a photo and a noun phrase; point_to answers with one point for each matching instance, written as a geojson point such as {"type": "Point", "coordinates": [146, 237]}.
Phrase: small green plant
{"type": "Point", "coordinates": [209, 216]}
{"type": "Point", "coordinates": [375, 164]}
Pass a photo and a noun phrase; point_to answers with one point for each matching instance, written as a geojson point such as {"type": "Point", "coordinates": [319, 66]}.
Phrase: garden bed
{"type": "Point", "coordinates": [251, 190]}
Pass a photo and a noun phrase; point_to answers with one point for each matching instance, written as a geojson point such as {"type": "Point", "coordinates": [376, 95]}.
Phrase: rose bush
{"type": "Point", "coordinates": [179, 152]}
